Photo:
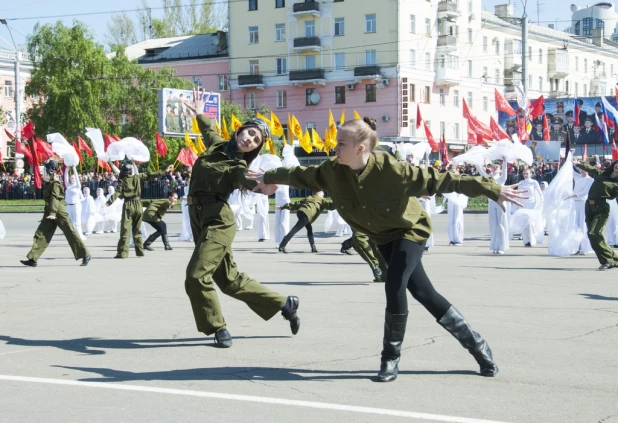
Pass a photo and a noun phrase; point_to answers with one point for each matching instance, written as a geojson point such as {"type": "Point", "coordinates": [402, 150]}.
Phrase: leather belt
{"type": "Point", "coordinates": [590, 201]}
{"type": "Point", "coordinates": [132, 198]}
{"type": "Point", "coordinates": [194, 200]}
{"type": "Point", "coordinates": [74, 204]}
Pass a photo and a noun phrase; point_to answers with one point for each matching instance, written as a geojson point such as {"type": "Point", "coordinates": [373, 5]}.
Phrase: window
{"type": "Point", "coordinates": [540, 55]}
{"type": "Point", "coordinates": [339, 61]}
{"type": "Point", "coordinates": [456, 98]}
{"type": "Point", "coordinates": [253, 35]}
{"type": "Point", "coordinates": [279, 32]}
{"type": "Point", "coordinates": [470, 8]}
{"type": "Point", "coordinates": [370, 57]}
{"type": "Point", "coordinates": [470, 37]}
{"type": "Point", "coordinates": [442, 97]}
{"type": "Point", "coordinates": [282, 99]}
{"type": "Point", "coordinates": [485, 103]}
{"type": "Point", "coordinates": [309, 62]}
{"type": "Point", "coordinates": [223, 82]}
{"type": "Point", "coordinates": [587, 26]}
{"type": "Point", "coordinates": [428, 61]}
{"type": "Point", "coordinates": [370, 92]}
{"type": "Point", "coordinates": [576, 89]}
{"type": "Point", "coordinates": [253, 101]}
{"type": "Point", "coordinates": [497, 47]}
{"type": "Point", "coordinates": [456, 130]}
{"type": "Point", "coordinates": [8, 88]}
{"type": "Point", "coordinates": [278, 4]}
{"type": "Point", "coordinates": [309, 28]}
{"type": "Point", "coordinates": [540, 83]}
{"type": "Point", "coordinates": [428, 26]}
{"type": "Point", "coordinates": [254, 67]}
{"type": "Point", "coordinates": [485, 44]}
{"type": "Point", "coordinates": [611, 70]}
{"type": "Point", "coordinates": [252, 4]}
{"type": "Point", "coordinates": [529, 82]}
{"type": "Point", "coordinates": [485, 72]}
{"type": "Point", "coordinates": [469, 62]}
{"type": "Point", "coordinates": [577, 63]}
{"type": "Point", "coordinates": [282, 66]}
{"type": "Point", "coordinates": [427, 95]}
{"type": "Point", "coordinates": [308, 93]}
{"type": "Point", "coordinates": [339, 26]}
{"type": "Point", "coordinates": [413, 59]}
{"type": "Point", "coordinates": [340, 95]}
{"type": "Point", "coordinates": [470, 99]}
{"type": "Point", "coordinates": [497, 76]}
{"type": "Point", "coordinates": [413, 24]}
{"type": "Point", "coordinates": [585, 65]}
{"type": "Point", "coordinates": [197, 80]}
{"type": "Point", "coordinates": [530, 54]}
{"type": "Point", "coordinates": [370, 23]}
{"type": "Point", "coordinates": [412, 127]}
{"type": "Point", "coordinates": [585, 90]}
{"type": "Point", "coordinates": [442, 127]}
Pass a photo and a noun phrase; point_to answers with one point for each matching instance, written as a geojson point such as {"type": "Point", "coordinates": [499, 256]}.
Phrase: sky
{"type": "Point", "coordinates": [551, 10]}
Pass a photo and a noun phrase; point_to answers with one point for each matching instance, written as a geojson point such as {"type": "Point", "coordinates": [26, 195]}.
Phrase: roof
{"type": "Point", "coordinates": [183, 48]}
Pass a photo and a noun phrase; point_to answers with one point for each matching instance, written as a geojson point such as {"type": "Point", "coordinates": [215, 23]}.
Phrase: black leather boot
{"type": "Point", "coordinates": [289, 312]}
{"type": "Point", "coordinates": [312, 244]}
{"type": "Point", "coordinates": [166, 242]}
{"type": "Point", "coordinates": [394, 331]}
{"type": "Point", "coordinates": [457, 325]}
{"type": "Point", "coordinates": [149, 241]}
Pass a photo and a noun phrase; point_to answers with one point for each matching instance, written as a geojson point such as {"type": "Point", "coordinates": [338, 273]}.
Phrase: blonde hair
{"type": "Point", "coordinates": [364, 131]}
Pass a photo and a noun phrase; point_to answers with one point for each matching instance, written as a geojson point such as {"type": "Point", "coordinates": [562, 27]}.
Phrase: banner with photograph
{"type": "Point", "coordinates": [174, 116]}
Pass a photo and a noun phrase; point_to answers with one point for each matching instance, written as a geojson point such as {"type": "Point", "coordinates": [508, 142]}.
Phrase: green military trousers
{"type": "Point", "coordinates": [596, 218]}
{"type": "Point", "coordinates": [131, 221]}
{"type": "Point", "coordinates": [214, 227]}
{"type": "Point", "coordinates": [46, 230]}
{"type": "Point", "coordinates": [369, 252]}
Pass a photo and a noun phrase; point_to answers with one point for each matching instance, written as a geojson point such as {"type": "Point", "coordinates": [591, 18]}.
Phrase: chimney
{"type": "Point", "coordinates": [505, 10]}
{"type": "Point", "coordinates": [597, 37]}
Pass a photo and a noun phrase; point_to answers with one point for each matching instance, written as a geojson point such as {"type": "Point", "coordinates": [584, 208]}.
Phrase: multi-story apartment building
{"type": "Point", "coordinates": [387, 58]}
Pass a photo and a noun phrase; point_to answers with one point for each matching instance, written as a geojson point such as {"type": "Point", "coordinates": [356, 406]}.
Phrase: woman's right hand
{"type": "Point", "coordinates": [197, 106]}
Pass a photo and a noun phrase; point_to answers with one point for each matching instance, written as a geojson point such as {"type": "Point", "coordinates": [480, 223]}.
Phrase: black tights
{"type": "Point", "coordinates": [405, 270]}
{"type": "Point", "coordinates": [303, 222]}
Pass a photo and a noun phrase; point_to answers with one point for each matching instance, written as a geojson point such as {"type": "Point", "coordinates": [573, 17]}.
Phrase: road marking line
{"type": "Point", "coordinates": [248, 398]}
{"type": "Point", "coordinates": [19, 351]}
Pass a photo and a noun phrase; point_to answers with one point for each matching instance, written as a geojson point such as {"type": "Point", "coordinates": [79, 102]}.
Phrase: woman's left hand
{"type": "Point", "coordinates": [258, 177]}
{"type": "Point", "coordinates": [509, 193]}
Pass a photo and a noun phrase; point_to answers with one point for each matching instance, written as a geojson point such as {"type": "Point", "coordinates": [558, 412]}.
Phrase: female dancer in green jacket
{"type": "Point", "coordinates": [376, 195]}
{"type": "Point", "coordinates": [216, 173]}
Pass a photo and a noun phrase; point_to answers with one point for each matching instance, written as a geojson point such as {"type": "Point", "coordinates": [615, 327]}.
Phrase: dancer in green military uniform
{"type": "Point", "coordinates": [369, 252]}
{"type": "Point", "coordinates": [376, 195]}
{"type": "Point", "coordinates": [604, 187]}
{"type": "Point", "coordinates": [307, 210]}
{"type": "Point", "coordinates": [130, 189]}
{"type": "Point", "coordinates": [55, 216]}
{"type": "Point", "coordinates": [216, 173]}
{"type": "Point", "coordinates": [153, 215]}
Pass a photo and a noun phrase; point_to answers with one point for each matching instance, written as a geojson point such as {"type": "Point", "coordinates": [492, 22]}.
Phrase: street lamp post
{"type": "Point", "coordinates": [17, 87]}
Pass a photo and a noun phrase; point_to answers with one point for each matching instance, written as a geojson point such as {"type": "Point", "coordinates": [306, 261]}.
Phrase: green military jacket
{"type": "Point", "coordinates": [381, 201]}
{"type": "Point", "coordinates": [53, 194]}
{"type": "Point", "coordinates": [312, 206]}
{"type": "Point", "coordinates": [215, 172]}
{"type": "Point", "coordinates": [131, 186]}
{"type": "Point", "coordinates": [603, 187]}
{"type": "Point", "coordinates": [155, 209]}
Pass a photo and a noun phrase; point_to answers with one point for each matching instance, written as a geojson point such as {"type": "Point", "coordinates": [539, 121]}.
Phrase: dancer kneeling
{"type": "Point", "coordinates": [375, 194]}
{"type": "Point", "coordinates": [153, 215]}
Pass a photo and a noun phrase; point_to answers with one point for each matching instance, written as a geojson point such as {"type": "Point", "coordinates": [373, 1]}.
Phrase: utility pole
{"type": "Point", "coordinates": [524, 48]}
{"type": "Point", "coordinates": [17, 87]}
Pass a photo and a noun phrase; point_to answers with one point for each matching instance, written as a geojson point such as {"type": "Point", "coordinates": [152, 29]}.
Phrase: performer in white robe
{"type": "Point", "coordinates": [282, 217]}
{"type": "Point", "coordinates": [583, 182]}
{"type": "Point", "coordinates": [99, 204]}
{"type": "Point", "coordinates": [248, 208]}
{"type": "Point", "coordinates": [429, 205]}
{"type": "Point", "coordinates": [612, 224]}
{"type": "Point", "coordinates": [263, 225]}
{"type": "Point", "coordinates": [236, 203]}
{"type": "Point", "coordinates": [89, 212]}
{"type": "Point", "coordinates": [74, 197]}
{"type": "Point", "coordinates": [529, 219]}
{"type": "Point", "coordinates": [499, 232]}
{"type": "Point", "coordinates": [114, 212]}
{"type": "Point", "coordinates": [456, 203]}
{"type": "Point", "coordinates": [186, 234]}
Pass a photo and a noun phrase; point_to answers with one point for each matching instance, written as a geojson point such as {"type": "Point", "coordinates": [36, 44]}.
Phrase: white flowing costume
{"type": "Point", "coordinates": [99, 204]}
{"type": "Point", "coordinates": [529, 220]}
{"type": "Point", "coordinates": [185, 230]}
{"type": "Point", "coordinates": [113, 213]}
{"type": "Point", "coordinates": [74, 197]}
{"type": "Point", "coordinates": [456, 205]}
{"type": "Point", "coordinates": [282, 217]}
{"type": "Point", "coordinates": [263, 225]}
{"type": "Point", "coordinates": [429, 206]}
{"type": "Point", "coordinates": [612, 223]}
{"type": "Point", "coordinates": [581, 189]}
{"type": "Point", "coordinates": [235, 202]}
{"type": "Point", "coordinates": [89, 212]}
{"type": "Point", "coordinates": [499, 233]}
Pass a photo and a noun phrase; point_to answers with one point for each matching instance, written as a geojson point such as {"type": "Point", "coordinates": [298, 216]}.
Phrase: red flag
{"type": "Point", "coordinates": [43, 149]}
{"type": "Point", "coordinates": [107, 140]}
{"type": "Point", "coordinates": [614, 151]}
{"type": "Point", "coordinates": [27, 131]}
{"type": "Point", "coordinates": [545, 128]}
{"type": "Point", "coordinates": [576, 112]}
{"type": "Point", "coordinates": [104, 165]}
{"type": "Point", "coordinates": [36, 173]}
{"type": "Point", "coordinates": [419, 118]}
{"type": "Point", "coordinates": [160, 145]}
{"type": "Point", "coordinates": [585, 153]}
{"type": "Point", "coordinates": [77, 151]}
{"type": "Point", "coordinates": [83, 146]}
{"type": "Point", "coordinates": [522, 131]}
{"type": "Point", "coordinates": [1, 160]}
{"type": "Point", "coordinates": [537, 108]}
{"type": "Point", "coordinates": [8, 134]}
{"type": "Point", "coordinates": [616, 94]}
{"type": "Point", "coordinates": [472, 139]}
{"type": "Point", "coordinates": [115, 137]}
{"type": "Point", "coordinates": [479, 128]}
{"type": "Point", "coordinates": [503, 105]}
{"type": "Point", "coordinates": [187, 157]}
{"type": "Point", "coordinates": [496, 130]}
{"type": "Point", "coordinates": [443, 151]}
{"type": "Point", "coordinates": [430, 139]}
{"type": "Point", "coordinates": [19, 148]}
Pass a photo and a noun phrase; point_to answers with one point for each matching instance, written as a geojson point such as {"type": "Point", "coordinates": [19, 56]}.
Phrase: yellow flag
{"type": "Point", "coordinates": [235, 123]}
{"type": "Point", "coordinates": [297, 130]}
{"type": "Point", "coordinates": [225, 134]}
{"type": "Point", "coordinates": [284, 140]}
{"type": "Point", "coordinates": [330, 140]}
{"type": "Point", "coordinates": [356, 115]}
{"type": "Point", "coordinates": [290, 133]}
{"type": "Point", "coordinates": [270, 146]}
{"type": "Point", "coordinates": [275, 125]}
{"type": "Point", "coordinates": [264, 118]}
{"type": "Point", "coordinates": [194, 127]}
{"type": "Point", "coordinates": [342, 120]}
{"type": "Point", "coordinates": [218, 127]}
{"type": "Point", "coordinates": [189, 143]}
{"type": "Point", "coordinates": [317, 141]}
{"type": "Point", "coordinates": [327, 141]}
{"type": "Point", "coordinates": [305, 141]}
{"type": "Point", "coordinates": [200, 144]}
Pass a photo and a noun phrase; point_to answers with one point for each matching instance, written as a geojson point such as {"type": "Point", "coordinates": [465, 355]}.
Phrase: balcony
{"type": "Point", "coordinates": [512, 61]}
{"type": "Point", "coordinates": [446, 43]}
{"type": "Point", "coordinates": [309, 76]}
{"type": "Point", "coordinates": [598, 84]}
{"type": "Point", "coordinates": [311, 8]}
{"type": "Point", "coordinates": [307, 43]}
{"type": "Point", "coordinates": [447, 77]}
{"type": "Point", "coordinates": [368, 71]}
{"type": "Point", "coordinates": [558, 63]}
{"type": "Point", "coordinates": [251, 81]}
{"type": "Point", "coordinates": [447, 10]}
{"type": "Point", "coordinates": [558, 94]}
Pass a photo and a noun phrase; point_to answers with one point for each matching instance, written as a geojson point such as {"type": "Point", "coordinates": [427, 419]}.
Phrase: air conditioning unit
{"type": "Point", "coordinates": [380, 85]}
{"type": "Point", "coordinates": [385, 81]}
{"type": "Point", "coordinates": [386, 118]}
{"type": "Point", "coordinates": [351, 86]}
